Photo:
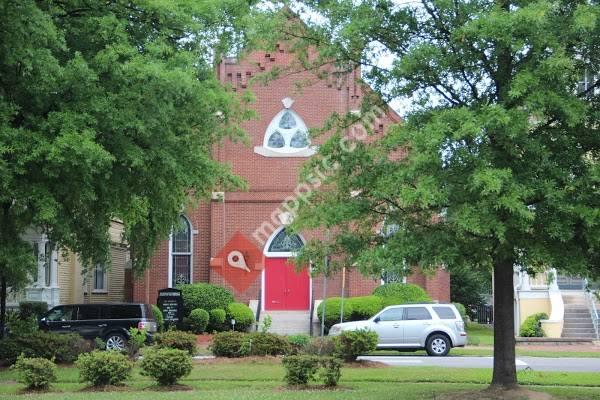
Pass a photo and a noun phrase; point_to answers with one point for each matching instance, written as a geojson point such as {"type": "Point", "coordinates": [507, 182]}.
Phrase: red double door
{"type": "Point", "coordinates": [285, 289]}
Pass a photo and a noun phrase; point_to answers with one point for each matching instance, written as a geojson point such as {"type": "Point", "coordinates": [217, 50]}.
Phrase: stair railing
{"type": "Point", "coordinates": [593, 309]}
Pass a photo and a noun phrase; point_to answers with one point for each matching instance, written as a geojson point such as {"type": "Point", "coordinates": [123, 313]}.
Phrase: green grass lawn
{"type": "Point", "coordinates": [263, 379]}
{"type": "Point", "coordinates": [479, 335]}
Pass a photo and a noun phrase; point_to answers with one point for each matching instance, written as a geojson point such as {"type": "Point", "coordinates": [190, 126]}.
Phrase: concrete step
{"type": "Point", "coordinates": [287, 322]}
{"type": "Point", "coordinates": [586, 324]}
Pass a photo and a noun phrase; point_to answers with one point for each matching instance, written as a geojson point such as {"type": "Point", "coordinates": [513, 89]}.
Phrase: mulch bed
{"type": "Point", "coordinates": [172, 388]}
{"type": "Point", "coordinates": [107, 388]}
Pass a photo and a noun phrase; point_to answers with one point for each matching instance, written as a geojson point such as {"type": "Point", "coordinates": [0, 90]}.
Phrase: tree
{"type": "Point", "coordinates": [496, 163]}
{"type": "Point", "coordinates": [110, 110]}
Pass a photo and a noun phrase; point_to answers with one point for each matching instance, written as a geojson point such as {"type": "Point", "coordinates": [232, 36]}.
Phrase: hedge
{"type": "Point", "coordinates": [243, 315]}
{"type": "Point", "coordinates": [332, 311]}
{"type": "Point", "coordinates": [401, 293]}
{"type": "Point", "coordinates": [32, 308]}
{"type": "Point", "coordinates": [365, 307]}
{"type": "Point", "coordinates": [204, 296]}
{"type": "Point", "coordinates": [216, 320]}
{"type": "Point", "coordinates": [60, 347]}
{"type": "Point", "coordinates": [531, 327]}
{"type": "Point", "coordinates": [198, 320]}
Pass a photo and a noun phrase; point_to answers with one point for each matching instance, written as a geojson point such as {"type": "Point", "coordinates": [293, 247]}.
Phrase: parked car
{"type": "Point", "coordinates": [433, 327]}
{"type": "Point", "coordinates": [110, 321]}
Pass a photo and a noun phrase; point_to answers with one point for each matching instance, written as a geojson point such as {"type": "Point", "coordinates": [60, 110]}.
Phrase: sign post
{"type": "Point", "coordinates": [170, 303]}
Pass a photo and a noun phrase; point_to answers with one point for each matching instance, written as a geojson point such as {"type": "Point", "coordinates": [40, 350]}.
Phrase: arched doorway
{"type": "Point", "coordinates": [283, 287]}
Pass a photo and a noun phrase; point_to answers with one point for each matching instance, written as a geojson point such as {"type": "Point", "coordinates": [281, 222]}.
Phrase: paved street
{"type": "Point", "coordinates": [535, 363]}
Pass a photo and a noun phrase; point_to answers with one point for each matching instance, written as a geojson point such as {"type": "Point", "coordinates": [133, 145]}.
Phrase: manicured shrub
{"type": "Point", "coordinates": [158, 316]}
{"type": "Point", "coordinates": [60, 347]}
{"type": "Point", "coordinates": [35, 373]}
{"type": "Point", "coordinates": [351, 344]}
{"type": "Point", "coordinates": [243, 315]}
{"type": "Point", "coordinates": [268, 344]}
{"type": "Point", "coordinates": [301, 369]}
{"type": "Point", "coordinates": [101, 368]}
{"type": "Point", "coordinates": [166, 366]}
{"type": "Point", "coordinates": [298, 342]}
{"type": "Point", "coordinates": [198, 320]}
{"type": "Point", "coordinates": [332, 307]}
{"type": "Point", "coordinates": [230, 344]}
{"type": "Point", "coordinates": [401, 293]}
{"type": "Point", "coordinates": [239, 344]}
{"type": "Point", "coordinates": [365, 307]}
{"type": "Point", "coordinates": [177, 340]}
{"type": "Point", "coordinates": [216, 321]}
{"type": "Point", "coordinates": [204, 296]}
{"type": "Point", "coordinates": [35, 309]}
{"type": "Point", "coordinates": [531, 327]}
{"type": "Point", "coordinates": [331, 370]}
{"type": "Point", "coordinates": [20, 327]}
{"type": "Point", "coordinates": [320, 346]}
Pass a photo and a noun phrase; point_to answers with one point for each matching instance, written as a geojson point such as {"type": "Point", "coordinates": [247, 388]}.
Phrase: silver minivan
{"type": "Point", "coordinates": [433, 327]}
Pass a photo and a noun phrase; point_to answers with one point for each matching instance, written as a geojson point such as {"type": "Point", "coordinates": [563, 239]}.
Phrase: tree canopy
{"type": "Point", "coordinates": [110, 110]}
{"type": "Point", "coordinates": [496, 162]}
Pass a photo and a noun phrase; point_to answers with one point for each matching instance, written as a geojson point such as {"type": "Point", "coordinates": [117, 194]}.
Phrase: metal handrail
{"type": "Point", "coordinates": [593, 310]}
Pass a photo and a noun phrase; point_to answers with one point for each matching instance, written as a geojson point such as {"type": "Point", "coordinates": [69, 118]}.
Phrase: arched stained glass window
{"type": "Point", "coordinates": [181, 253]}
{"type": "Point", "coordinates": [285, 243]}
{"type": "Point", "coordinates": [287, 132]}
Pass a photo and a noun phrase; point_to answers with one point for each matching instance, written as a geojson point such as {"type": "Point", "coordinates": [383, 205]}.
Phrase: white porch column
{"type": "Point", "coordinates": [526, 284]}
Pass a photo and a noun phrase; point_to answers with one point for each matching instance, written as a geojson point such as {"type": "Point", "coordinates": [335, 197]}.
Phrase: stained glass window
{"type": "Point", "coordinates": [299, 140]}
{"type": "Point", "coordinates": [287, 132]}
{"type": "Point", "coordinates": [181, 253]}
{"type": "Point", "coordinates": [284, 243]}
{"type": "Point", "coordinates": [287, 121]}
{"type": "Point", "coordinates": [276, 140]}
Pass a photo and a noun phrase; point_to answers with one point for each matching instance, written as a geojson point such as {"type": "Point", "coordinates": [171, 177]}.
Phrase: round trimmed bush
{"type": "Point", "coordinates": [204, 296]}
{"type": "Point", "coordinates": [102, 368]}
{"type": "Point", "coordinates": [351, 344]}
{"type": "Point", "coordinates": [177, 340]}
{"type": "Point", "coordinates": [365, 307]}
{"type": "Point", "coordinates": [401, 293]}
{"type": "Point", "coordinates": [243, 315]}
{"type": "Point", "coordinates": [35, 373]}
{"type": "Point", "coordinates": [531, 327]}
{"type": "Point", "coordinates": [198, 320]}
{"type": "Point", "coordinates": [166, 366]}
{"type": "Point", "coordinates": [230, 344]}
{"type": "Point", "coordinates": [268, 344]}
{"type": "Point", "coordinates": [216, 321]}
{"type": "Point", "coordinates": [332, 311]}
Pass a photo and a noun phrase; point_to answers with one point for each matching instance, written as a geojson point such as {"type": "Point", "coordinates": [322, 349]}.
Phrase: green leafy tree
{"type": "Point", "coordinates": [496, 163]}
{"type": "Point", "coordinates": [110, 110]}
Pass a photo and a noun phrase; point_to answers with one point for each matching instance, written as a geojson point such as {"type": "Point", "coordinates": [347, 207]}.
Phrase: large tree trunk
{"type": "Point", "coordinates": [2, 306]}
{"type": "Point", "coordinates": [505, 372]}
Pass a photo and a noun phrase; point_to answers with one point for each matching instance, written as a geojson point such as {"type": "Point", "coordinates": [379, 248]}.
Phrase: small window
{"type": "Point", "coordinates": [99, 279]}
{"type": "Point", "coordinates": [88, 312]}
{"type": "Point", "coordinates": [417, 314]}
{"type": "Point", "coordinates": [444, 312]}
{"type": "Point", "coordinates": [61, 313]}
{"type": "Point", "coordinates": [393, 314]}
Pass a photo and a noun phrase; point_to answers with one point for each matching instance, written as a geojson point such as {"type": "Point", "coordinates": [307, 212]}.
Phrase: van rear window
{"type": "Point", "coordinates": [123, 311]}
{"type": "Point", "coordinates": [445, 312]}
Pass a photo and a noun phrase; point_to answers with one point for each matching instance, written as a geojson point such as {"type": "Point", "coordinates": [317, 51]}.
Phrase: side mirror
{"type": "Point", "coordinates": [44, 321]}
{"type": "Point", "coordinates": [376, 320]}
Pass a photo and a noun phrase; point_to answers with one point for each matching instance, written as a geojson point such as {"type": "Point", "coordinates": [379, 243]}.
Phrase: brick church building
{"type": "Point", "coordinates": [238, 240]}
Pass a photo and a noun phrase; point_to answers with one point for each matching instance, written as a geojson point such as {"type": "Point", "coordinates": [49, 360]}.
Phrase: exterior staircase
{"type": "Point", "coordinates": [577, 321]}
{"type": "Point", "coordinates": [287, 322]}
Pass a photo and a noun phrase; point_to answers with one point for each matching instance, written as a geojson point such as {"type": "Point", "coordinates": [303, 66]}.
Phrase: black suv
{"type": "Point", "coordinates": [110, 321]}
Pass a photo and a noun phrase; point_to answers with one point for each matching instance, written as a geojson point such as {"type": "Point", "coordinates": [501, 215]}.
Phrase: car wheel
{"type": "Point", "coordinates": [116, 341]}
{"type": "Point", "coordinates": [438, 345]}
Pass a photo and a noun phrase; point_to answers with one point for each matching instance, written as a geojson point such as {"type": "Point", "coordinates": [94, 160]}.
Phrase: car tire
{"type": "Point", "coordinates": [438, 345]}
{"type": "Point", "coordinates": [116, 342]}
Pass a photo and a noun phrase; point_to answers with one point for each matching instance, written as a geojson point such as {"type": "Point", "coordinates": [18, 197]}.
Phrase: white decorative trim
{"type": "Point", "coordinates": [533, 294]}
{"type": "Point", "coordinates": [267, 152]}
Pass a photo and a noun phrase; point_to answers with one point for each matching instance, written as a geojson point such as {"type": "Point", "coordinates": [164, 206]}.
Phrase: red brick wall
{"type": "Point", "coordinates": [270, 179]}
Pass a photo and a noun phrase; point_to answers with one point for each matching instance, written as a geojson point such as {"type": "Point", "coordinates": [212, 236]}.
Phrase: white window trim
{"type": "Point", "coordinates": [190, 253]}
